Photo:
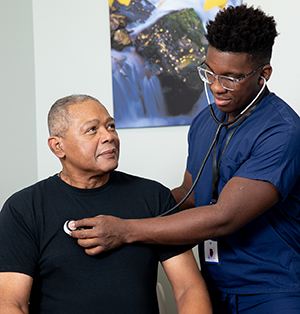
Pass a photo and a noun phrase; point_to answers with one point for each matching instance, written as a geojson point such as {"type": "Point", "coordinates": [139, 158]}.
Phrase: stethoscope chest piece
{"type": "Point", "coordinates": [67, 228]}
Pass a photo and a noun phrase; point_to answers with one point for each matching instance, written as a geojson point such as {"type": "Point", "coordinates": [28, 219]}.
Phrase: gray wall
{"type": "Point", "coordinates": [18, 166]}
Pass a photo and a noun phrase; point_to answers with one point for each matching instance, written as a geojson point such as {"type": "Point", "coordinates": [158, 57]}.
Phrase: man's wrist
{"type": "Point", "coordinates": [130, 231]}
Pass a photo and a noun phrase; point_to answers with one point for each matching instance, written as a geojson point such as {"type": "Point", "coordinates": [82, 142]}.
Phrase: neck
{"type": "Point", "coordinates": [262, 93]}
{"type": "Point", "coordinates": [83, 182]}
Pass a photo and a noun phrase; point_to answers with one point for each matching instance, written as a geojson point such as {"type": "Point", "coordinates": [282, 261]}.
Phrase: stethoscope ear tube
{"type": "Point", "coordinates": [240, 114]}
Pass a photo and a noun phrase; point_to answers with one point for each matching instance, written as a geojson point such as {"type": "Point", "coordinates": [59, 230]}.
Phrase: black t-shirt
{"type": "Point", "coordinates": [66, 280]}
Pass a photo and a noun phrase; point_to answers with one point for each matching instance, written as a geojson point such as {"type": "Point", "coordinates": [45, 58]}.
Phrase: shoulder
{"type": "Point", "coordinates": [138, 182]}
{"type": "Point", "coordinates": [277, 121]}
{"type": "Point", "coordinates": [277, 108]}
{"type": "Point", "coordinates": [203, 123]}
{"type": "Point", "coordinates": [146, 194]}
{"type": "Point", "coordinates": [201, 116]}
{"type": "Point", "coordinates": [29, 193]}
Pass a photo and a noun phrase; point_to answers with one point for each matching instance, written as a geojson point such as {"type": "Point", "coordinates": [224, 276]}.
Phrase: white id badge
{"type": "Point", "coordinates": [211, 252]}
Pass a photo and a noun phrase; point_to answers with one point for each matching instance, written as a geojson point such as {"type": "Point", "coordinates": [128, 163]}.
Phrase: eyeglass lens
{"type": "Point", "coordinates": [209, 77]}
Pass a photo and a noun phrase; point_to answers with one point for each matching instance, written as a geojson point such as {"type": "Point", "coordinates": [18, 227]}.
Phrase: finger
{"type": "Point", "coordinates": [83, 223]}
{"type": "Point", "coordinates": [83, 234]}
{"type": "Point", "coordinates": [95, 250]}
{"type": "Point", "coordinates": [89, 243]}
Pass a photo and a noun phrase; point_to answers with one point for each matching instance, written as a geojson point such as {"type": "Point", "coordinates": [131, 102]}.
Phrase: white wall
{"type": "Point", "coordinates": [72, 55]}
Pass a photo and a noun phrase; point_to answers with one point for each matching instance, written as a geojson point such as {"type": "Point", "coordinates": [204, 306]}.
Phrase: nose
{"type": "Point", "coordinates": [106, 136]}
{"type": "Point", "coordinates": [216, 86]}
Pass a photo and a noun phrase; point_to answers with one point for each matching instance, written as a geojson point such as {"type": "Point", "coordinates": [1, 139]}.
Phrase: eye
{"type": "Point", "coordinates": [91, 129]}
{"type": "Point", "coordinates": [111, 126]}
{"type": "Point", "coordinates": [229, 78]}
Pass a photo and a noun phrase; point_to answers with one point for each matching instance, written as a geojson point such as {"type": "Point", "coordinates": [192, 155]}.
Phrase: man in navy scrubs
{"type": "Point", "coordinates": [246, 206]}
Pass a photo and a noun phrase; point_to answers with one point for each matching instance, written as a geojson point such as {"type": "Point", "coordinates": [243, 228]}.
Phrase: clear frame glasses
{"type": "Point", "coordinates": [226, 82]}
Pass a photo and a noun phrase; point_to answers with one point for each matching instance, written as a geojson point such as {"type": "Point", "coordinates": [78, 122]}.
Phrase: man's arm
{"type": "Point", "coordinates": [180, 192]}
{"type": "Point", "coordinates": [15, 289]}
{"type": "Point", "coordinates": [189, 288]}
{"type": "Point", "coordinates": [240, 201]}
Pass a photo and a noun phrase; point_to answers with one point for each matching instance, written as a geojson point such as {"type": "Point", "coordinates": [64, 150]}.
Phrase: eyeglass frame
{"type": "Point", "coordinates": [235, 80]}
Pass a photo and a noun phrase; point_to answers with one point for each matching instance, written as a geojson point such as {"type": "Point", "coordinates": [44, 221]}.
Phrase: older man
{"type": "Point", "coordinates": [43, 270]}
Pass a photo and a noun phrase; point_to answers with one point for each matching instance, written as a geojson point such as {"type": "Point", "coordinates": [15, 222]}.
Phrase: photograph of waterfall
{"type": "Point", "coordinates": [156, 46]}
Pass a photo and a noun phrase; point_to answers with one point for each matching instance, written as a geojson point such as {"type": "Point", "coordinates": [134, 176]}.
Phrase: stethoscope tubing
{"type": "Point", "coordinates": [220, 125]}
{"type": "Point", "coordinates": [198, 174]}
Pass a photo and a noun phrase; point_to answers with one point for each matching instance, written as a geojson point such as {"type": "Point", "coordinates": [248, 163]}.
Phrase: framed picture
{"type": "Point", "coordinates": [156, 47]}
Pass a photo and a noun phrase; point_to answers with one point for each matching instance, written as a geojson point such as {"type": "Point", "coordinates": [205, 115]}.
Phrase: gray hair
{"type": "Point", "coordinates": [58, 116]}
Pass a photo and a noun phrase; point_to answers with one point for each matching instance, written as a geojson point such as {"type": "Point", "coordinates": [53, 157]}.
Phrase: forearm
{"type": "Point", "coordinates": [103, 233]}
{"type": "Point", "coordinates": [187, 227]}
{"type": "Point", "coordinates": [241, 201]}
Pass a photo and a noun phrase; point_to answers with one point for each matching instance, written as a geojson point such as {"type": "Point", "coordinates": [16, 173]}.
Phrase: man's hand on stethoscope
{"type": "Point", "coordinates": [97, 234]}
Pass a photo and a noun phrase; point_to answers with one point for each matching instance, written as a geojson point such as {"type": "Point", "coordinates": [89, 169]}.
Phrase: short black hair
{"type": "Point", "coordinates": [243, 29]}
{"type": "Point", "coordinates": [58, 116]}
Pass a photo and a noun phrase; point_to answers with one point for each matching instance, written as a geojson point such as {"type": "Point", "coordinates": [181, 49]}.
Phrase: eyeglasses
{"type": "Point", "coordinates": [226, 82]}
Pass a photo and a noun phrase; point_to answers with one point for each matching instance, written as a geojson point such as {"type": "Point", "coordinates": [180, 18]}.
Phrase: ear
{"type": "Point", "coordinates": [266, 72]}
{"type": "Point", "coordinates": [55, 143]}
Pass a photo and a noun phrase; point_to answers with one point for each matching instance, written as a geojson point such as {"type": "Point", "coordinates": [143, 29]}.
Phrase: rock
{"type": "Point", "coordinates": [173, 48]}
{"type": "Point", "coordinates": [135, 11]}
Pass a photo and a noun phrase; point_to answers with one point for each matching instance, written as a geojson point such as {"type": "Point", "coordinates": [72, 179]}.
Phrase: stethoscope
{"type": "Point", "coordinates": [220, 124]}
{"type": "Point", "coordinates": [66, 227]}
